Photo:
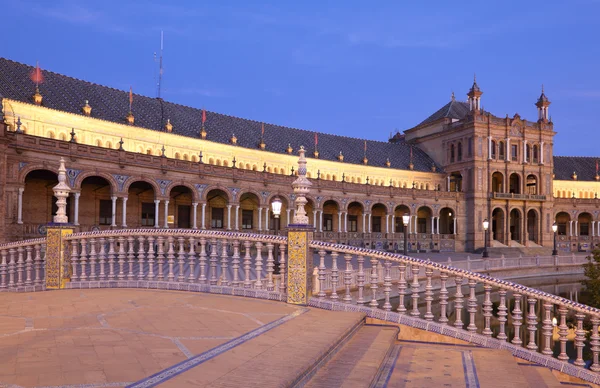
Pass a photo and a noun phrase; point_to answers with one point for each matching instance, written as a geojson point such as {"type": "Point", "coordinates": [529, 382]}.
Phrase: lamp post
{"type": "Point", "coordinates": [554, 230]}
{"type": "Point", "coordinates": [276, 208]}
{"type": "Point", "coordinates": [486, 225]}
{"type": "Point", "coordinates": [405, 221]}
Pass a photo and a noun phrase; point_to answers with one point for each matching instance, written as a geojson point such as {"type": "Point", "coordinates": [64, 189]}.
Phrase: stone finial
{"type": "Point", "coordinates": [341, 157]}
{"type": "Point", "coordinates": [73, 136]}
{"type": "Point", "coordinates": [169, 126]}
{"type": "Point", "coordinates": [233, 139]}
{"type": "Point", "coordinates": [87, 109]}
{"type": "Point", "coordinates": [316, 154]}
{"type": "Point", "coordinates": [301, 188]}
{"type": "Point", "coordinates": [597, 177]}
{"type": "Point", "coordinates": [203, 133]}
{"type": "Point", "coordinates": [121, 142]}
{"type": "Point", "coordinates": [574, 176]}
{"type": "Point", "coordinates": [433, 168]}
{"type": "Point", "coordinates": [289, 149]}
{"type": "Point", "coordinates": [18, 123]}
{"type": "Point", "coordinates": [365, 160]}
{"type": "Point", "coordinates": [387, 162]}
{"type": "Point", "coordinates": [130, 118]}
{"type": "Point", "coordinates": [164, 155]}
{"type": "Point", "coordinates": [37, 97]}
{"type": "Point", "coordinates": [61, 192]}
{"type": "Point", "coordinates": [411, 166]}
{"type": "Point", "coordinates": [262, 144]}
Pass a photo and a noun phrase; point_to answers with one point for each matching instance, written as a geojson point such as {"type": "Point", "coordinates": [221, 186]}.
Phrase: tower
{"type": "Point", "coordinates": [542, 104]}
{"type": "Point", "coordinates": [474, 96]}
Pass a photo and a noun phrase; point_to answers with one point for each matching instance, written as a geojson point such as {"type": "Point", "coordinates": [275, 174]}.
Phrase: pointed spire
{"type": "Point", "coordinates": [475, 95]}
{"type": "Point", "coordinates": [542, 104]}
{"type": "Point", "coordinates": [452, 97]}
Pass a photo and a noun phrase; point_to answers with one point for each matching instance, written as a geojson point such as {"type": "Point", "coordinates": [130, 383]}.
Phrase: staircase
{"type": "Point", "coordinates": [374, 357]}
{"type": "Point", "coordinates": [516, 251]}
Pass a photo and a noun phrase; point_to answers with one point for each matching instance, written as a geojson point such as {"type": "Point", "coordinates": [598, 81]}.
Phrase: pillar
{"type": "Point", "coordinates": [363, 223]}
{"type": "Point", "coordinates": [299, 265]}
{"type": "Point", "coordinates": [194, 215]}
{"type": "Point", "coordinates": [454, 224]}
{"type": "Point", "coordinates": [415, 229]}
{"type": "Point", "coordinates": [393, 223]}
{"type": "Point", "coordinates": [525, 151]}
{"type": "Point", "coordinates": [203, 216]}
{"type": "Point", "coordinates": [489, 147]}
{"type": "Point", "coordinates": [260, 219]}
{"type": "Point", "coordinates": [339, 221]}
{"type": "Point", "coordinates": [437, 229]}
{"type": "Point", "coordinates": [370, 224]}
{"type": "Point", "coordinates": [315, 221]}
{"type": "Point", "coordinates": [267, 219]}
{"type": "Point", "coordinates": [542, 152]}
{"type": "Point", "coordinates": [156, 211]}
{"type": "Point", "coordinates": [166, 214]}
{"type": "Point", "coordinates": [593, 229]}
{"type": "Point", "coordinates": [124, 215]}
{"type": "Point", "coordinates": [113, 222]}
{"type": "Point", "coordinates": [432, 225]}
{"type": "Point", "coordinates": [321, 220]}
{"type": "Point", "coordinates": [20, 206]}
{"type": "Point", "coordinates": [507, 149]}
{"type": "Point", "coordinates": [58, 268]}
{"type": "Point", "coordinates": [237, 218]}
{"type": "Point", "coordinates": [228, 217]}
{"type": "Point", "coordinates": [75, 211]}
{"type": "Point", "coordinates": [345, 222]}
{"type": "Point", "coordinates": [576, 228]}
{"type": "Point", "coordinates": [287, 214]}
{"type": "Point", "coordinates": [387, 223]}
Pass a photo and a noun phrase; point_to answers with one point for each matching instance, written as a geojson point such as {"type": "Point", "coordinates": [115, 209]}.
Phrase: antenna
{"type": "Point", "coordinates": [160, 69]}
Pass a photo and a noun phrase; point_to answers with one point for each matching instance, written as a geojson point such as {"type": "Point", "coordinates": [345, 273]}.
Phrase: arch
{"type": "Point", "coordinates": [210, 188]}
{"type": "Point", "coordinates": [187, 185]}
{"type": "Point", "coordinates": [584, 221]}
{"type": "Point", "coordinates": [39, 197]}
{"type": "Point", "coordinates": [331, 209]}
{"type": "Point", "coordinates": [446, 222]}
{"type": "Point", "coordinates": [424, 215]}
{"type": "Point", "coordinates": [563, 220]}
{"type": "Point", "coordinates": [254, 168]}
{"type": "Point", "coordinates": [218, 162]}
{"type": "Point", "coordinates": [151, 182]}
{"type": "Point", "coordinates": [399, 211]}
{"type": "Point", "coordinates": [527, 153]}
{"type": "Point", "coordinates": [114, 187]}
{"type": "Point", "coordinates": [333, 177]}
{"type": "Point", "coordinates": [177, 155]}
{"type": "Point", "coordinates": [497, 182]}
{"type": "Point", "coordinates": [225, 163]}
{"type": "Point", "coordinates": [498, 222]}
{"type": "Point", "coordinates": [515, 224]}
{"type": "Point", "coordinates": [256, 194]}
{"type": "Point", "coordinates": [30, 168]}
{"type": "Point", "coordinates": [186, 157]}
{"type": "Point", "coordinates": [51, 135]}
{"type": "Point", "coordinates": [378, 212]}
{"type": "Point", "coordinates": [98, 143]}
{"type": "Point", "coordinates": [194, 159]}
{"type": "Point", "coordinates": [211, 161]}
{"type": "Point", "coordinates": [269, 170]}
{"type": "Point", "coordinates": [248, 167]}
{"type": "Point", "coordinates": [532, 184]}
{"type": "Point", "coordinates": [140, 149]}
{"type": "Point", "coordinates": [385, 208]}
{"type": "Point", "coordinates": [514, 183]}
{"type": "Point", "coordinates": [218, 200]}
{"type": "Point", "coordinates": [533, 228]}
{"type": "Point", "coordinates": [282, 171]}
{"type": "Point", "coordinates": [455, 181]}
{"type": "Point", "coordinates": [355, 210]}
{"type": "Point", "coordinates": [109, 145]}
{"type": "Point", "coordinates": [95, 207]}
{"type": "Point", "coordinates": [181, 196]}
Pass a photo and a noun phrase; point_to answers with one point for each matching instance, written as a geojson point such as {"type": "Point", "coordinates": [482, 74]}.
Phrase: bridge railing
{"type": "Point", "coordinates": [22, 265]}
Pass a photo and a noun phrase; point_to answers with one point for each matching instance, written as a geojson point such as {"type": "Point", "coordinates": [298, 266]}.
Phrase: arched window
{"type": "Point", "coordinates": [459, 152]}
{"type": "Point", "coordinates": [451, 153]}
{"type": "Point", "coordinates": [527, 153]}
{"type": "Point", "coordinates": [501, 150]}
{"type": "Point", "coordinates": [493, 156]}
{"type": "Point", "coordinates": [535, 154]}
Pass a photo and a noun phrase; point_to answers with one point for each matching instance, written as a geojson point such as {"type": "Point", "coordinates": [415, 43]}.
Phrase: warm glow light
{"type": "Point", "coordinates": [486, 224]}
{"type": "Point", "coordinates": [276, 206]}
{"type": "Point", "coordinates": [405, 219]}
{"type": "Point", "coordinates": [554, 229]}
{"type": "Point", "coordinates": [554, 321]}
{"type": "Point", "coordinates": [170, 219]}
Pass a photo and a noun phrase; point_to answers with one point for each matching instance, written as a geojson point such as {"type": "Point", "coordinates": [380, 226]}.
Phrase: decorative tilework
{"type": "Point", "coordinates": [21, 165]}
{"type": "Point", "coordinates": [298, 287]}
{"type": "Point", "coordinates": [163, 184]}
{"type": "Point", "coordinates": [234, 192]}
{"type": "Point", "coordinates": [471, 380]}
{"type": "Point", "coordinates": [121, 179]}
{"type": "Point", "coordinates": [387, 367]}
{"type": "Point", "coordinates": [72, 174]}
{"type": "Point", "coordinates": [57, 269]}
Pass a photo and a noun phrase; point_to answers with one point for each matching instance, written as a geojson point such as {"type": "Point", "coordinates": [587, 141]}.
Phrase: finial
{"type": "Point", "coordinates": [200, 157]}
{"type": "Point", "coordinates": [265, 167]}
{"type": "Point", "coordinates": [130, 118]}
{"type": "Point", "coordinates": [292, 173]}
{"type": "Point", "coordinates": [289, 149]}
{"type": "Point", "coordinates": [18, 130]}
{"type": "Point", "coordinates": [233, 162]}
{"type": "Point", "coordinates": [318, 174]}
{"type": "Point", "coordinates": [474, 77]}
{"type": "Point", "coordinates": [542, 88]}
{"type": "Point", "coordinates": [453, 98]}
{"type": "Point", "coordinates": [391, 185]}
{"type": "Point", "coordinates": [163, 151]}
{"type": "Point", "coordinates": [387, 162]}
{"type": "Point", "coordinates": [121, 142]}
{"type": "Point", "coordinates": [87, 109]}
{"type": "Point", "coordinates": [367, 180]}
{"type": "Point", "coordinates": [343, 177]}
{"type": "Point", "coordinates": [341, 157]}
{"type": "Point", "coordinates": [169, 126]}
{"type": "Point", "coordinates": [73, 135]}
{"type": "Point", "coordinates": [233, 139]}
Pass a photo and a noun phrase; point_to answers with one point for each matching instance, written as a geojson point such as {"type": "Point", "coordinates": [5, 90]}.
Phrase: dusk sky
{"type": "Point", "coordinates": [354, 68]}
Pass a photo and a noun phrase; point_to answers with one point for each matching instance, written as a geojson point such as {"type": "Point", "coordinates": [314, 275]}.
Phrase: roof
{"type": "Point", "coordinates": [583, 166]}
{"type": "Point", "coordinates": [454, 110]}
{"type": "Point", "coordinates": [69, 94]}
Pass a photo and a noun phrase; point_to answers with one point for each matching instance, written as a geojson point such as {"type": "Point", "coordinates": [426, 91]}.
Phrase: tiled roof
{"type": "Point", "coordinates": [454, 110]}
{"type": "Point", "coordinates": [584, 167]}
{"type": "Point", "coordinates": [69, 94]}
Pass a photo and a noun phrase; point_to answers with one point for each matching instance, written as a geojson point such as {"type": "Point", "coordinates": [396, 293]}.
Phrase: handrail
{"type": "Point", "coordinates": [23, 243]}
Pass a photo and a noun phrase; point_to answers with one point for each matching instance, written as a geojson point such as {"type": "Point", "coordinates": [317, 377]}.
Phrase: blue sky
{"type": "Point", "coordinates": [354, 68]}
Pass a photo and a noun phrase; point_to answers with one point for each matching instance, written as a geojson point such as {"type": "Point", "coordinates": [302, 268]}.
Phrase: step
{"type": "Point", "coordinates": [358, 361]}
{"type": "Point", "coordinates": [539, 376]}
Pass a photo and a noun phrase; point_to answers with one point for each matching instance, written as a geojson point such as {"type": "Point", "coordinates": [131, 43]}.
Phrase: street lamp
{"type": "Point", "coordinates": [554, 230]}
{"type": "Point", "coordinates": [405, 221]}
{"type": "Point", "coordinates": [276, 208]}
{"type": "Point", "coordinates": [486, 225]}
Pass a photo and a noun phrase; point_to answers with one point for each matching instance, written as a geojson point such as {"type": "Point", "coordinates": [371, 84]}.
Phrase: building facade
{"type": "Point", "coordinates": [135, 161]}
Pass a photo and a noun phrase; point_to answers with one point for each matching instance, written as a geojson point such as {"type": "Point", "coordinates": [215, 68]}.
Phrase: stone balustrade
{"type": "Point", "coordinates": [22, 265]}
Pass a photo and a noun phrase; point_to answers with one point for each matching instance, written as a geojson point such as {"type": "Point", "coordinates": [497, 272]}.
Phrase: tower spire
{"type": "Point", "coordinates": [542, 104]}
{"type": "Point", "coordinates": [475, 96]}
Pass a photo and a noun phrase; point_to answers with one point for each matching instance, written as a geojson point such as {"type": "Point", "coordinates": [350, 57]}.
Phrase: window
{"type": "Point", "coordinates": [353, 223]}
{"type": "Point", "coordinates": [535, 154]}
{"type": "Point", "coordinates": [106, 212]}
{"type": "Point", "coordinates": [459, 152]}
{"type": "Point", "coordinates": [493, 156]}
{"type": "Point", "coordinates": [562, 228]}
{"type": "Point", "coordinates": [514, 152]}
{"type": "Point", "coordinates": [470, 148]}
{"type": "Point", "coordinates": [216, 221]}
{"type": "Point", "coordinates": [399, 225]}
{"type": "Point", "coordinates": [328, 222]}
{"type": "Point", "coordinates": [501, 150]}
{"type": "Point", "coordinates": [584, 229]}
{"type": "Point", "coordinates": [421, 225]}
{"type": "Point", "coordinates": [147, 214]}
{"type": "Point", "coordinates": [183, 216]}
{"type": "Point", "coordinates": [376, 224]}
{"type": "Point", "coordinates": [527, 153]}
{"type": "Point", "coordinates": [247, 216]}
{"type": "Point", "coordinates": [451, 153]}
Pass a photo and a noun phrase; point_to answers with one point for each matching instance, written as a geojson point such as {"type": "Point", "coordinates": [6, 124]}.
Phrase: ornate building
{"type": "Point", "coordinates": [135, 161]}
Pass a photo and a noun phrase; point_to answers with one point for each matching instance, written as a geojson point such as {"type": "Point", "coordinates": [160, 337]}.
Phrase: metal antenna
{"type": "Point", "coordinates": [160, 69]}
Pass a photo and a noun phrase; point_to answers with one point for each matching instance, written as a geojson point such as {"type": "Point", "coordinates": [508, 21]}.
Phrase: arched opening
{"type": "Point", "coordinates": [39, 204]}
{"type": "Point", "coordinates": [501, 150]}
{"type": "Point", "coordinates": [515, 225]}
{"type": "Point", "coordinates": [562, 220]}
{"type": "Point", "coordinates": [424, 215]}
{"type": "Point", "coordinates": [378, 212]}
{"type": "Point", "coordinates": [330, 216]}
{"type": "Point", "coordinates": [532, 185]}
{"type": "Point", "coordinates": [248, 213]}
{"type": "Point", "coordinates": [459, 152]}
{"type": "Point", "coordinates": [95, 204]}
{"type": "Point", "coordinates": [498, 225]}
{"type": "Point", "coordinates": [451, 153]}
{"type": "Point", "coordinates": [527, 153]}
{"type": "Point", "coordinates": [141, 209]}
{"type": "Point", "coordinates": [532, 226]}
{"type": "Point", "coordinates": [447, 217]}
{"type": "Point", "coordinates": [217, 213]}
{"type": "Point", "coordinates": [535, 154]}
{"type": "Point", "coordinates": [494, 153]}
{"type": "Point", "coordinates": [455, 181]}
{"type": "Point", "coordinates": [355, 216]}
{"type": "Point", "coordinates": [398, 213]}
{"type": "Point", "coordinates": [515, 183]}
{"type": "Point", "coordinates": [584, 221]}
{"type": "Point", "coordinates": [180, 207]}
{"type": "Point", "coordinates": [497, 182]}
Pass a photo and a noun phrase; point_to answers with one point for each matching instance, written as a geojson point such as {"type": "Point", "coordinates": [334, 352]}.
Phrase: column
{"type": "Point", "coordinates": [315, 221]}
{"type": "Point", "coordinates": [114, 211]}
{"type": "Point", "coordinates": [576, 228]}
{"type": "Point", "coordinates": [124, 215]}
{"type": "Point", "coordinates": [228, 217]}
{"type": "Point", "coordinates": [387, 223]}
{"type": "Point", "coordinates": [345, 222]}
{"type": "Point", "coordinates": [260, 219]}
{"type": "Point", "coordinates": [415, 230]}
{"type": "Point", "coordinates": [454, 224]}
{"type": "Point", "coordinates": [203, 214]}
{"type": "Point", "coordinates": [20, 206]}
{"type": "Point", "coordinates": [542, 153]}
{"type": "Point", "coordinates": [507, 149]}
{"type": "Point", "coordinates": [525, 151]}
{"type": "Point", "coordinates": [156, 203]}
{"type": "Point", "coordinates": [75, 212]}
{"type": "Point", "coordinates": [437, 229]}
{"type": "Point", "coordinates": [448, 183]}
{"type": "Point", "coordinates": [370, 224]}
{"type": "Point", "coordinates": [321, 220]}
{"type": "Point", "coordinates": [570, 228]}
{"type": "Point", "coordinates": [166, 214]}
{"type": "Point", "coordinates": [393, 226]}
{"type": "Point", "coordinates": [363, 224]}
{"type": "Point", "coordinates": [339, 222]}
{"type": "Point", "coordinates": [593, 230]}
{"type": "Point", "coordinates": [489, 147]}
{"type": "Point", "coordinates": [194, 215]}
{"type": "Point", "coordinates": [267, 219]}
{"type": "Point", "coordinates": [237, 218]}
{"type": "Point", "coordinates": [432, 225]}
{"type": "Point", "coordinates": [287, 213]}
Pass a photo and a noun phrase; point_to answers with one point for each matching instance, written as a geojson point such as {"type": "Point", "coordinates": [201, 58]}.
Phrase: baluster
{"type": "Point", "coordinates": [532, 324]}
{"type": "Point", "coordinates": [579, 340]}
{"type": "Point", "coordinates": [258, 264]}
{"type": "Point", "coordinates": [122, 257]}
{"type": "Point", "coordinates": [28, 265]}
{"type": "Point", "coordinates": [141, 257]}
{"type": "Point", "coordinates": [236, 263]}
{"type": "Point", "coordinates": [151, 257]}
{"type": "Point", "coordinates": [270, 267]}
{"type": "Point", "coordinates": [443, 298]}
{"type": "Point", "coordinates": [563, 331]}
{"type": "Point", "coordinates": [192, 260]}
{"type": "Point", "coordinates": [102, 258]}
{"type": "Point", "coordinates": [111, 258]}
{"type": "Point", "coordinates": [387, 284]}
{"type": "Point", "coordinates": [224, 263]}
{"type": "Point", "coordinates": [595, 343]}
{"type": "Point", "coordinates": [171, 259]}
{"type": "Point", "coordinates": [428, 294]}
{"type": "Point", "coordinates": [20, 266]}
{"type": "Point", "coordinates": [282, 284]}
{"type": "Point", "coordinates": [402, 285]}
{"type": "Point", "coordinates": [3, 267]}
{"type": "Point", "coordinates": [202, 279]}
{"type": "Point", "coordinates": [487, 311]}
{"type": "Point", "coordinates": [93, 259]}
{"type": "Point", "coordinates": [130, 256]}
{"type": "Point", "coordinates": [180, 259]}
{"type": "Point", "coordinates": [360, 278]}
{"type": "Point", "coordinates": [458, 302]}
{"type": "Point", "coordinates": [247, 264]}
{"type": "Point", "coordinates": [12, 263]}
{"type": "Point", "coordinates": [373, 303]}
{"type": "Point", "coordinates": [83, 259]}
{"type": "Point", "coordinates": [348, 278]}
{"type": "Point", "coordinates": [472, 303]}
{"type": "Point", "coordinates": [502, 314]}
{"type": "Point", "coordinates": [334, 275]}
{"type": "Point", "coordinates": [38, 266]}
{"type": "Point", "coordinates": [160, 257]}
{"type": "Point", "coordinates": [322, 270]}
{"type": "Point", "coordinates": [415, 288]}
{"type": "Point", "coordinates": [547, 329]}
{"type": "Point", "coordinates": [517, 319]}
{"type": "Point", "coordinates": [213, 262]}
{"type": "Point", "coordinates": [74, 257]}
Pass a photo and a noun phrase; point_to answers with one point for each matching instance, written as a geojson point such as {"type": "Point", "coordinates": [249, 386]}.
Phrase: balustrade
{"type": "Point", "coordinates": [22, 265]}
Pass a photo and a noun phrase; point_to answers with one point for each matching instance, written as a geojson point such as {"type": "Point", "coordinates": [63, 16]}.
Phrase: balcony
{"type": "Point", "coordinates": [522, 197]}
